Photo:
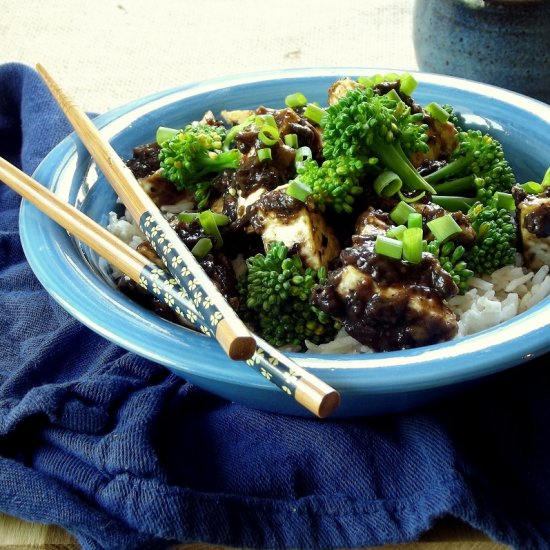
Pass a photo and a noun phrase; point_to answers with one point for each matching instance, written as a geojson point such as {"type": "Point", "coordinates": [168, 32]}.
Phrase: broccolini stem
{"type": "Point", "coordinates": [450, 169]}
{"type": "Point", "coordinates": [457, 186]}
{"type": "Point", "coordinates": [453, 203]}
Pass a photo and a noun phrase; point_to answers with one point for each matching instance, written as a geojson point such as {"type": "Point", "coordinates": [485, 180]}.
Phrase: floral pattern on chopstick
{"type": "Point", "coordinates": [188, 286]}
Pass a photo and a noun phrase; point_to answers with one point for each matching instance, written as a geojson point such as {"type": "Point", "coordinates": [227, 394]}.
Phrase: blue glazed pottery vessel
{"type": "Point", "coordinates": [500, 42]}
{"type": "Point", "coordinates": [369, 384]}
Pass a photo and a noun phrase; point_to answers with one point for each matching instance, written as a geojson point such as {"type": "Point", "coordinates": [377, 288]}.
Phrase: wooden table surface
{"type": "Point", "coordinates": [447, 534]}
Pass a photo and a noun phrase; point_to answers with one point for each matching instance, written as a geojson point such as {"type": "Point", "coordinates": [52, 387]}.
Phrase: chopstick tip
{"type": "Point", "coordinates": [329, 403]}
{"type": "Point", "coordinates": [241, 348]}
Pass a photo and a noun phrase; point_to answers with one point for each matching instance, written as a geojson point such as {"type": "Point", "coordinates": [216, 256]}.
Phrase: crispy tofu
{"type": "Point", "coordinates": [388, 304]}
{"type": "Point", "coordinates": [278, 217]}
{"type": "Point", "coordinates": [340, 88]}
{"type": "Point", "coordinates": [534, 223]}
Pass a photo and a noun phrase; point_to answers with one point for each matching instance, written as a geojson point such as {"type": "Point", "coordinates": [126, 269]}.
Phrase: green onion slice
{"type": "Point", "coordinates": [387, 184]}
{"type": "Point", "coordinates": [202, 248]}
{"type": "Point", "coordinates": [315, 113]}
{"type": "Point", "coordinates": [396, 232]}
{"type": "Point", "coordinates": [234, 130]}
{"type": "Point", "coordinates": [165, 134]}
{"type": "Point", "coordinates": [412, 244]}
{"type": "Point", "coordinates": [295, 100]}
{"type": "Point", "coordinates": [264, 154]}
{"type": "Point", "coordinates": [291, 140]}
{"type": "Point", "coordinates": [414, 220]}
{"type": "Point", "coordinates": [220, 219]}
{"type": "Point", "coordinates": [188, 217]}
{"type": "Point", "coordinates": [440, 114]}
{"type": "Point", "coordinates": [387, 246]}
{"type": "Point", "coordinates": [532, 187]}
{"type": "Point", "coordinates": [392, 94]}
{"type": "Point", "coordinates": [444, 227]}
{"type": "Point", "coordinates": [208, 222]}
{"type": "Point", "coordinates": [298, 190]}
{"type": "Point", "coordinates": [302, 154]}
{"type": "Point", "coordinates": [505, 200]}
{"type": "Point", "coordinates": [268, 119]}
{"type": "Point", "coordinates": [268, 135]}
{"type": "Point", "coordinates": [400, 212]}
{"type": "Point", "coordinates": [408, 83]}
{"type": "Point", "coordinates": [410, 199]}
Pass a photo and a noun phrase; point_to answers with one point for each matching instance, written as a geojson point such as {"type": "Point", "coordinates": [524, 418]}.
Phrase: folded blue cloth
{"type": "Point", "coordinates": [124, 454]}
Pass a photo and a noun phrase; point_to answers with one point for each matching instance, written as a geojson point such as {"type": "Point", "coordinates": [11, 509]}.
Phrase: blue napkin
{"type": "Point", "coordinates": [124, 454]}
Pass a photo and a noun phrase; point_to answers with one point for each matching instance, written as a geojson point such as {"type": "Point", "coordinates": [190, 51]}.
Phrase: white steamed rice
{"type": "Point", "coordinates": [490, 301]}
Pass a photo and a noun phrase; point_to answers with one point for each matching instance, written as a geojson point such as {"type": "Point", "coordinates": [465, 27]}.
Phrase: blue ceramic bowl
{"type": "Point", "coordinates": [369, 384]}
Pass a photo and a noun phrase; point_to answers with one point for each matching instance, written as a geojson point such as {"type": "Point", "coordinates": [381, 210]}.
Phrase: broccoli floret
{"type": "Point", "coordinates": [333, 183]}
{"type": "Point", "coordinates": [495, 244]}
{"type": "Point", "coordinates": [451, 259]}
{"type": "Point", "coordinates": [364, 126]}
{"type": "Point", "coordinates": [275, 299]}
{"type": "Point", "coordinates": [453, 117]}
{"type": "Point", "coordinates": [193, 156]}
{"type": "Point", "coordinates": [496, 240]}
{"type": "Point", "coordinates": [477, 168]}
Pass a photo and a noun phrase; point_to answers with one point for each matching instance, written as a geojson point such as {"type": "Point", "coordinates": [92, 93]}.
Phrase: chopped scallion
{"type": "Point", "coordinates": [387, 184]}
{"type": "Point", "coordinates": [302, 154]}
{"type": "Point", "coordinates": [392, 94]}
{"type": "Point", "coordinates": [264, 154]}
{"type": "Point", "coordinates": [444, 227]}
{"type": "Point", "coordinates": [388, 77]}
{"type": "Point", "coordinates": [208, 222]}
{"type": "Point", "coordinates": [408, 83]}
{"type": "Point", "coordinates": [291, 140]}
{"type": "Point", "coordinates": [387, 246]}
{"type": "Point", "coordinates": [314, 113]}
{"type": "Point", "coordinates": [416, 198]}
{"type": "Point", "coordinates": [202, 248]}
{"type": "Point", "coordinates": [532, 187]}
{"type": "Point", "coordinates": [298, 190]}
{"type": "Point", "coordinates": [188, 217]}
{"type": "Point", "coordinates": [269, 119]}
{"type": "Point", "coordinates": [234, 130]}
{"type": "Point", "coordinates": [295, 100]}
{"type": "Point", "coordinates": [220, 219]}
{"type": "Point", "coordinates": [366, 81]}
{"type": "Point", "coordinates": [414, 220]}
{"type": "Point", "coordinates": [505, 200]}
{"type": "Point", "coordinates": [396, 232]}
{"type": "Point", "coordinates": [412, 244]}
{"type": "Point", "coordinates": [165, 134]}
{"type": "Point", "coordinates": [268, 135]}
{"type": "Point", "coordinates": [400, 212]}
{"type": "Point", "coordinates": [440, 114]}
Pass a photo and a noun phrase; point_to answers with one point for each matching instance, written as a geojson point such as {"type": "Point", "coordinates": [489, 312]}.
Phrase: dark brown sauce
{"type": "Point", "coordinates": [395, 304]}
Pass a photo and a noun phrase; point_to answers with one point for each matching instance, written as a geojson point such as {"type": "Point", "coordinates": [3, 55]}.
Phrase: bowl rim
{"type": "Point", "coordinates": [387, 372]}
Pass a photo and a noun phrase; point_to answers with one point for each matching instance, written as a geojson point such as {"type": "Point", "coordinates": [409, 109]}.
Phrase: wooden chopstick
{"type": "Point", "coordinates": [311, 392]}
{"type": "Point", "coordinates": [217, 315]}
